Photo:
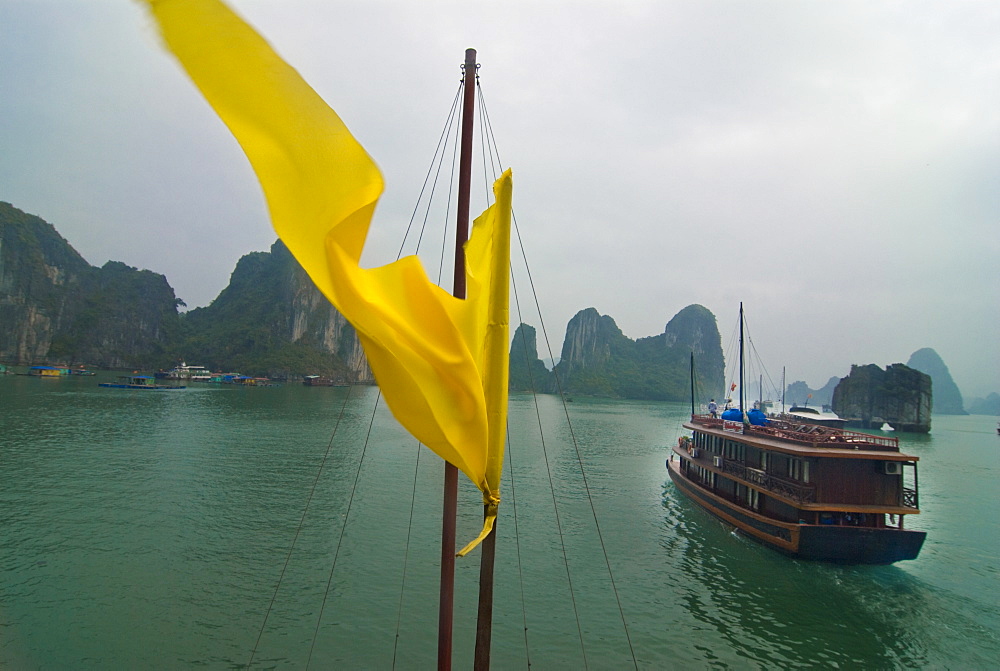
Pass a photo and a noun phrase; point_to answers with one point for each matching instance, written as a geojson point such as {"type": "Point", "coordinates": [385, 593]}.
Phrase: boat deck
{"type": "Point", "coordinates": [815, 442]}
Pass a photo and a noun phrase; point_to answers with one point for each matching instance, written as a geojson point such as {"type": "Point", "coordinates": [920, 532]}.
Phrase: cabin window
{"type": "Point", "coordinates": [735, 451]}
{"type": "Point", "coordinates": [763, 461]}
{"type": "Point", "coordinates": [754, 499]}
{"type": "Point", "coordinates": [798, 469]}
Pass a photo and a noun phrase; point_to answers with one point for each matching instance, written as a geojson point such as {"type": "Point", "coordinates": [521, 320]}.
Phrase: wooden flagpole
{"type": "Point", "coordinates": [450, 508]}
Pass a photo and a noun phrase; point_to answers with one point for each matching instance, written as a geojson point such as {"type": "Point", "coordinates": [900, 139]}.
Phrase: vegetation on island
{"type": "Point", "coordinates": [55, 308]}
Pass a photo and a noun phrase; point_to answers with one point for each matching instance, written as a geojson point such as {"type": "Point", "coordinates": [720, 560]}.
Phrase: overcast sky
{"type": "Point", "coordinates": [833, 165]}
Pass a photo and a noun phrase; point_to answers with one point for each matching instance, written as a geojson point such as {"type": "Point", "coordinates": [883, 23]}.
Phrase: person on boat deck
{"type": "Point", "coordinates": [713, 408]}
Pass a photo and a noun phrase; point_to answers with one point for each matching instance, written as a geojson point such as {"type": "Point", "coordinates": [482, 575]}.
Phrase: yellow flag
{"type": "Point", "coordinates": [441, 361]}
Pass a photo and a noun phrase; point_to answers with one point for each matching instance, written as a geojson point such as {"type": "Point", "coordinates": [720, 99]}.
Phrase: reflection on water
{"type": "Point", "coordinates": [149, 530]}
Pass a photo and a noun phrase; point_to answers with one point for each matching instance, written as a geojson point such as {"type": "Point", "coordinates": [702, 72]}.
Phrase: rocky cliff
{"type": "Point", "coordinates": [272, 319]}
{"type": "Point", "coordinates": [799, 393]}
{"type": "Point", "coordinates": [947, 397]}
{"type": "Point", "coordinates": [57, 308]}
{"type": "Point", "coordinates": [598, 359]}
{"type": "Point", "coordinates": [527, 371]}
{"type": "Point", "coordinates": [898, 395]}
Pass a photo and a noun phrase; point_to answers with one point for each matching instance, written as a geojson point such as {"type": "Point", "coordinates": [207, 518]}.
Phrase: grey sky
{"type": "Point", "coordinates": [834, 165]}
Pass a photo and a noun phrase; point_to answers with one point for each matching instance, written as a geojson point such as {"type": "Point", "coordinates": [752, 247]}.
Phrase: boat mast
{"type": "Point", "coordinates": [782, 390]}
{"type": "Point", "coordinates": [450, 506]}
{"type": "Point", "coordinates": [692, 384]}
{"type": "Point", "coordinates": [742, 410]}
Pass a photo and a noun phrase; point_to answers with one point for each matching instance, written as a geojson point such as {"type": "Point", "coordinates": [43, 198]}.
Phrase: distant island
{"type": "Point", "coordinates": [55, 308]}
{"type": "Point", "coordinates": [271, 320]}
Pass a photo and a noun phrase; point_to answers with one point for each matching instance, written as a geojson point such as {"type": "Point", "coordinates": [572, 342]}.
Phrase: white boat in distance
{"type": "Point", "coordinates": [813, 416]}
{"type": "Point", "coordinates": [188, 373]}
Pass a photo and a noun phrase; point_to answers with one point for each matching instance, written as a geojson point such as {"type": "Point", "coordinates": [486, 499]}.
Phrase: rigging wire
{"type": "Point", "coordinates": [753, 365]}
{"type": "Point", "coordinates": [517, 548]}
{"type": "Point", "coordinates": [343, 529]}
{"type": "Point", "coordinates": [406, 558]}
{"type": "Point", "coordinates": [555, 505]}
{"type": "Point", "coordinates": [438, 158]}
{"type": "Point", "coordinates": [488, 133]}
{"type": "Point", "coordinates": [438, 150]}
{"type": "Point", "coordinates": [298, 529]}
{"type": "Point", "coordinates": [756, 358]}
{"type": "Point", "coordinates": [489, 148]}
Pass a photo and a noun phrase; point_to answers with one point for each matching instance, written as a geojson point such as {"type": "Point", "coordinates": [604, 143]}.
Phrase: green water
{"type": "Point", "coordinates": [149, 529]}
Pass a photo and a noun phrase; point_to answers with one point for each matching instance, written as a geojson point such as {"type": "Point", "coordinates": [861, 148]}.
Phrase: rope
{"type": "Point", "coordinates": [298, 530]}
{"type": "Point", "coordinates": [576, 447]}
{"type": "Point", "coordinates": [517, 546]}
{"type": "Point", "coordinates": [343, 529]}
{"type": "Point", "coordinates": [406, 558]}
{"type": "Point", "coordinates": [439, 149]}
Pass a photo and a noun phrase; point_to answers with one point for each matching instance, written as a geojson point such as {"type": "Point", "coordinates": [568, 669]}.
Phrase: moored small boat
{"type": "Point", "coordinates": [138, 382]}
{"type": "Point", "coordinates": [317, 381]}
{"type": "Point", "coordinates": [187, 373]}
{"type": "Point", "coordinates": [48, 371]}
{"type": "Point", "coordinates": [803, 413]}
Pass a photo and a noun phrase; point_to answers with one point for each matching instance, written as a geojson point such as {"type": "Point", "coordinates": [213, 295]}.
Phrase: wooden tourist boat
{"type": "Point", "coordinates": [813, 492]}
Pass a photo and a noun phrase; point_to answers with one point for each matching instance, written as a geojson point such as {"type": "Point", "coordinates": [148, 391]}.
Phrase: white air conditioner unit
{"type": "Point", "coordinates": [893, 468]}
{"type": "Point", "coordinates": [717, 462]}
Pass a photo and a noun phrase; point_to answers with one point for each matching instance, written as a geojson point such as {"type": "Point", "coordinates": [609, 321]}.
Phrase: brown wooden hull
{"type": "Point", "coordinates": [839, 544]}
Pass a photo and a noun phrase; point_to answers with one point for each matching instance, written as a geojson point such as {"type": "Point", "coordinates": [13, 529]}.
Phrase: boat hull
{"type": "Point", "coordinates": [859, 545]}
{"type": "Point", "coordinates": [150, 387]}
{"type": "Point", "coordinates": [836, 544]}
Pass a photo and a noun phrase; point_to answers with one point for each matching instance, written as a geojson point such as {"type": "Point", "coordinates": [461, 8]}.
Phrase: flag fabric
{"type": "Point", "coordinates": [441, 362]}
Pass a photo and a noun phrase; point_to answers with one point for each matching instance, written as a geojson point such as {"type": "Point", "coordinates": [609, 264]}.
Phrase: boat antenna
{"type": "Point", "coordinates": [449, 513]}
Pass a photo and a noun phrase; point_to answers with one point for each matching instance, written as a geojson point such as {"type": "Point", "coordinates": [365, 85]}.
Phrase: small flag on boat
{"type": "Point", "coordinates": [440, 361]}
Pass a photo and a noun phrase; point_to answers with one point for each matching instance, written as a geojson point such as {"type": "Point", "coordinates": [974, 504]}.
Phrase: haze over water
{"type": "Point", "coordinates": [148, 530]}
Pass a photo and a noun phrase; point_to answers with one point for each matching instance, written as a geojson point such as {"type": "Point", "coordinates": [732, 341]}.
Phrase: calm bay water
{"type": "Point", "coordinates": [149, 530]}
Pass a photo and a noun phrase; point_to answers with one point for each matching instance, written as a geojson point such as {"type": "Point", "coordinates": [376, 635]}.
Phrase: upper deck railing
{"type": "Point", "coordinates": [801, 433]}
{"type": "Point", "coordinates": [781, 486]}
